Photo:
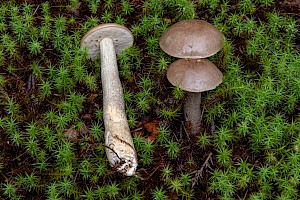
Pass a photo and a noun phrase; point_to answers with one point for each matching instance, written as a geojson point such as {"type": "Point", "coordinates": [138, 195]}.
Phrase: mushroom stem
{"type": "Point", "coordinates": [192, 111]}
{"type": "Point", "coordinates": [120, 149]}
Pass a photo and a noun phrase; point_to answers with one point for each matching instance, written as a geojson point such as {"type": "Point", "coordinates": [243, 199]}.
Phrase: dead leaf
{"type": "Point", "coordinates": [92, 97]}
{"type": "Point", "coordinates": [96, 105]}
{"type": "Point", "coordinates": [71, 133]}
{"type": "Point", "coordinates": [87, 116]}
{"type": "Point", "coordinates": [138, 134]}
{"type": "Point", "coordinates": [153, 128]}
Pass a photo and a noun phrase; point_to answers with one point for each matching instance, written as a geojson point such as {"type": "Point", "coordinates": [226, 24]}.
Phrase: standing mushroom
{"type": "Point", "coordinates": [192, 40]}
{"type": "Point", "coordinates": [194, 76]}
{"type": "Point", "coordinates": [109, 40]}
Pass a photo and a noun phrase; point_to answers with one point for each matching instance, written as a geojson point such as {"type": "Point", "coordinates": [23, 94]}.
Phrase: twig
{"type": "Point", "coordinates": [140, 177]}
{"type": "Point", "coordinates": [36, 10]}
{"type": "Point", "coordinates": [137, 129]}
{"type": "Point", "coordinates": [198, 173]}
{"type": "Point", "coordinates": [291, 14]}
{"type": "Point", "coordinates": [19, 156]}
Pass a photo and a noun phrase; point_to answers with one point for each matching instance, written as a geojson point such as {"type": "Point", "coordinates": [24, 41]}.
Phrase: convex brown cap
{"type": "Point", "coordinates": [192, 39]}
{"type": "Point", "coordinates": [194, 75]}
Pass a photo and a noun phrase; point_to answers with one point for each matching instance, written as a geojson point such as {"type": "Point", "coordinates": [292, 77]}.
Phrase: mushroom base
{"type": "Point", "coordinates": [192, 111]}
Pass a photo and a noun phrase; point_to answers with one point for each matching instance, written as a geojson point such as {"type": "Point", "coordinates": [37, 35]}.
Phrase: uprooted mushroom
{"type": "Point", "coordinates": [193, 40]}
{"type": "Point", "coordinates": [106, 41]}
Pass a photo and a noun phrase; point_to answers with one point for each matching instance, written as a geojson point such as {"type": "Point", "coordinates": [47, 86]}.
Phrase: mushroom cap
{"type": "Point", "coordinates": [194, 75]}
{"type": "Point", "coordinates": [192, 39]}
{"type": "Point", "coordinates": [121, 36]}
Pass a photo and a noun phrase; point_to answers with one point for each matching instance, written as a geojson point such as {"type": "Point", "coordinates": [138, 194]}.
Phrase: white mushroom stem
{"type": "Point", "coordinates": [192, 111]}
{"type": "Point", "coordinates": [118, 140]}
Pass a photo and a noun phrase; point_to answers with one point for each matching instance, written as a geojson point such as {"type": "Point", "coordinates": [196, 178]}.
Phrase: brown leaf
{"type": "Point", "coordinates": [92, 97]}
{"type": "Point", "coordinates": [87, 116]}
{"type": "Point", "coordinates": [71, 133]}
{"type": "Point", "coordinates": [153, 128]}
{"type": "Point", "coordinates": [138, 134]}
{"type": "Point", "coordinates": [97, 105]}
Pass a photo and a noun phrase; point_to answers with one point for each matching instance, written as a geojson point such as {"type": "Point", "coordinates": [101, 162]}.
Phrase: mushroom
{"type": "Point", "coordinates": [193, 40]}
{"type": "Point", "coordinates": [109, 40]}
{"type": "Point", "coordinates": [194, 76]}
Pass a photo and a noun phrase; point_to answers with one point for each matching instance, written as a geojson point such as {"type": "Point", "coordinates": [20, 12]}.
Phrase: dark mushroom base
{"type": "Point", "coordinates": [192, 111]}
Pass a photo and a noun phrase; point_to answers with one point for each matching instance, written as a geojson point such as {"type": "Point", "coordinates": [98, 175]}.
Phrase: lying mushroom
{"type": "Point", "coordinates": [194, 76]}
{"type": "Point", "coordinates": [109, 40]}
{"type": "Point", "coordinates": [192, 39]}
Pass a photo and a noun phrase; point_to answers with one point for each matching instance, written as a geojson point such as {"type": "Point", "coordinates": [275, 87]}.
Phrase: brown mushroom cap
{"type": "Point", "coordinates": [120, 35]}
{"type": "Point", "coordinates": [194, 75]}
{"type": "Point", "coordinates": [192, 39]}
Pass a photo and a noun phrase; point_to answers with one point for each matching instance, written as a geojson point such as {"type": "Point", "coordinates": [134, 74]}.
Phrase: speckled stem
{"type": "Point", "coordinates": [192, 111]}
{"type": "Point", "coordinates": [120, 149]}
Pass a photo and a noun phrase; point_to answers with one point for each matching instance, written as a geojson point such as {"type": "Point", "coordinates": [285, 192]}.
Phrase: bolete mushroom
{"type": "Point", "coordinates": [194, 76]}
{"type": "Point", "coordinates": [106, 41]}
{"type": "Point", "coordinates": [193, 39]}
